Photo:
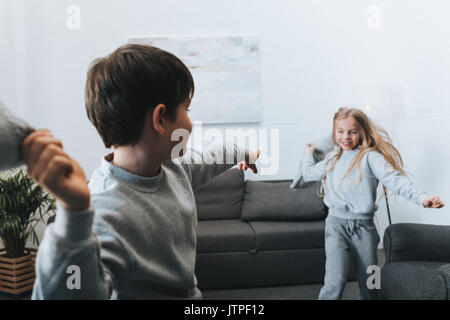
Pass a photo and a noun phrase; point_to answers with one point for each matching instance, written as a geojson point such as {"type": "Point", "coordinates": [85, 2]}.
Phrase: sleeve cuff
{"type": "Point", "coordinates": [73, 225]}
{"type": "Point", "coordinates": [421, 199]}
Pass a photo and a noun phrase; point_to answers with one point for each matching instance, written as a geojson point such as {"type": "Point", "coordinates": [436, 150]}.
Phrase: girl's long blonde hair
{"type": "Point", "coordinates": [372, 138]}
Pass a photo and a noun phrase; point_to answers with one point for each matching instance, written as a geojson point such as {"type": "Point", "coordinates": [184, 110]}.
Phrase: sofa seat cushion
{"type": "Point", "coordinates": [281, 235]}
{"type": "Point", "coordinates": [224, 236]}
{"type": "Point", "coordinates": [410, 280]}
{"type": "Point", "coordinates": [275, 201]}
{"type": "Point", "coordinates": [222, 197]}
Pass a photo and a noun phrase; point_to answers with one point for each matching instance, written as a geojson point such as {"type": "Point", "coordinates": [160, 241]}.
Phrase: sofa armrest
{"type": "Point", "coordinates": [417, 242]}
{"type": "Point", "coordinates": [444, 272]}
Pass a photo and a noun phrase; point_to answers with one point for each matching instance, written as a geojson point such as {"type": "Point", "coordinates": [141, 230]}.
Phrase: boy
{"type": "Point", "coordinates": [133, 236]}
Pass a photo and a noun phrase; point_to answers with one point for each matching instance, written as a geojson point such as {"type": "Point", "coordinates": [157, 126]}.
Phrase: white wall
{"type": "Point", "coordinates": [315, 57]}
{"type": "Point", "coordinates": [6, 54]}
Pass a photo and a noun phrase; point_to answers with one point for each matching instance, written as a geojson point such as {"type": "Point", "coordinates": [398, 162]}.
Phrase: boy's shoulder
{"type": "Point", "coordinates": [112, 200]}
{"type": "Point", "coordinates": [106, 193]}
{"type": "Point", "coordinates": [118, 202]}
{"type": "Point", "coordinates": [100, 181]}
{"type": "Point", "coordinates": [111, 182]}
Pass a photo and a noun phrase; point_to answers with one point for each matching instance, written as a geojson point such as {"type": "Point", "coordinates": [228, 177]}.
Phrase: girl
{"type": "Point", "coordinates": [363, 156]}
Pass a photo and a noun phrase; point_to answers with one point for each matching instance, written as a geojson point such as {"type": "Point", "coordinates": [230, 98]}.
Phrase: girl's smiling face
{"type": "Point", "coordinates": [347, 133]}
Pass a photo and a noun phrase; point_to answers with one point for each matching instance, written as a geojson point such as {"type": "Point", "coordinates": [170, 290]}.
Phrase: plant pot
{"type": "Point", "coordinates": [17, 275]}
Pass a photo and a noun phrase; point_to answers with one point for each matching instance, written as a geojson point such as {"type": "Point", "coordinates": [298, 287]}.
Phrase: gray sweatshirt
{"type": "Point", "coordinates": [12, 131]}
{"type": "Point", "coordinates": [350, 198]}
{"type": "Point", "coordinates": [139, 239]}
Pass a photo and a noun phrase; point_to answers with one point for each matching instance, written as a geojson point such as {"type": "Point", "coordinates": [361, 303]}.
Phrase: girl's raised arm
{"type": "Point", "coordinates": [399, 183]}
{"type": "Point", "coordinates": [313, 171]}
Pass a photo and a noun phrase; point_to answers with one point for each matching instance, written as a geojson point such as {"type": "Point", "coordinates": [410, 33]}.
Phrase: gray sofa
{"type": "Point", "coordinates": [417, 263]}
{"type": "Point", "coordinates": [258, 233]}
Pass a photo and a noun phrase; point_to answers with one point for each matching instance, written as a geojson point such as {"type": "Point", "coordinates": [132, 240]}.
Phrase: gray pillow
{"type": "Point", "coordinates": [277, 202]}
{"type": "Point", "coordinates": [222, 197]}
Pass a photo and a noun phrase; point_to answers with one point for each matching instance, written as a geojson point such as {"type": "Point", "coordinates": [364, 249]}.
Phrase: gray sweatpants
{"type": "Point", "coordinates": [347, 241]}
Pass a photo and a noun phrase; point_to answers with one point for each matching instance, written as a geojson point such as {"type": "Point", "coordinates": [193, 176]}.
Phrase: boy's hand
{"type": "Point", "coordinates": [433, 202]}
{"type": "Point", "coordinates": [250, 161]}
{"type": "Point", "coordinates": [310, 148]}
{"type": "Point", "coordinates": [51, 167]}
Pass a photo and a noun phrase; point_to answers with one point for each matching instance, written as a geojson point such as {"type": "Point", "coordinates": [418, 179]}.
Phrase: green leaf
{"type": "Point", "coordinates": [23, 204]}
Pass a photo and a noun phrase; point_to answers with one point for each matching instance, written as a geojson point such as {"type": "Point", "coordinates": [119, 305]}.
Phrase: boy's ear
{"type": "Point", "coordinates": [159, 118]}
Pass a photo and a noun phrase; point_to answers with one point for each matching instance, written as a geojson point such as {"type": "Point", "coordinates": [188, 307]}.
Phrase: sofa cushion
{"type": "Point", "coordinates": [225, 236]}
{"type": "Point", "coordinates": [265, 201]}
{"type": "Point", "coordinates": [222, 197]}
{"type": "Point", "coordinates": [281, 235]}
{"type": "Point", "coordinates": [412, 280]}
{"type": "Point", "coordinates": [232, 270]}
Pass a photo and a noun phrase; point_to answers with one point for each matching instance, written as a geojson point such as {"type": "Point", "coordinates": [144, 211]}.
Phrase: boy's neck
{"type": "Point", "coordinates": [137, 161]}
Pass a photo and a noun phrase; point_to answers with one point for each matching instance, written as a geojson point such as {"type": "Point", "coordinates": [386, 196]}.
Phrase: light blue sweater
{"type": "Point", "coordinates": [139, 239]}
{"type": "Point", "coordinates": [350, 198]}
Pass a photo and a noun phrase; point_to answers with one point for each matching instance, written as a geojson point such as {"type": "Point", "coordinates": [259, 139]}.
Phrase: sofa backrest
{"type": "Point", "coordinates": [276, 201]}
{"type": "Point", "coordinates": [222, 197]}
{"type": "Point", "coordinates": [229, 196]}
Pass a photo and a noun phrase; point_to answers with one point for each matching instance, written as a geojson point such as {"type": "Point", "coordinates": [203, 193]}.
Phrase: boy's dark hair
{"type": "Point", "coordinates": [123, 86]}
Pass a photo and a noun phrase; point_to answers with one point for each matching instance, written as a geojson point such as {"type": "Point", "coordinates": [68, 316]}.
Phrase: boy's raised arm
{"type": "Point", "coordinates": [68, 263]}
{"type": "Point", "coordinates": [12, 131]}
{"type": "Point", "coordinates": [203, 166]}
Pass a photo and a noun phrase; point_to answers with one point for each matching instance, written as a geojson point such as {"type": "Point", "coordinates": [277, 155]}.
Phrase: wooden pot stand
{"type": "Point", "coordinates": [17, 274]}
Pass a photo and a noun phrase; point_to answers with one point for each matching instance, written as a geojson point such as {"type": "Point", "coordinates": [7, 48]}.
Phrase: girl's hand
{"type": "Point", "coordinates": [310, 148]}
{"type": "Point", "coordinates": [433, 202]}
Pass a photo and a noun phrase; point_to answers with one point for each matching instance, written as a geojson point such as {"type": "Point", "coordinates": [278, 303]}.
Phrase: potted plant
{"type": "Point", "coordinates": [23, 204]}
